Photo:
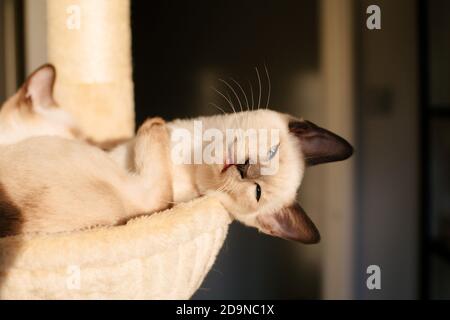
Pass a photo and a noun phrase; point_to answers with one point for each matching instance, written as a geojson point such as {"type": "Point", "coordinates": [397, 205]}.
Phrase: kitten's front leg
{"type": "Point", "coordinates": [152, 164]}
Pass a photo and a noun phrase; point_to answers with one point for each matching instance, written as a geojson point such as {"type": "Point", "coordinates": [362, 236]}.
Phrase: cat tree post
{"type": "Point", "coordinates": [89, 42]}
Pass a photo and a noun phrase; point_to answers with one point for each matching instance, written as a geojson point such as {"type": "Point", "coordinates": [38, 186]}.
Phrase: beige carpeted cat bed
{"type": "Point", "coordinates": [162, 256]}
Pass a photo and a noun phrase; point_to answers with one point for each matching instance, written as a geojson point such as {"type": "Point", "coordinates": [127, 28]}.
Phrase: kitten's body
{"type": "Point", "coordinates": [57, 184]}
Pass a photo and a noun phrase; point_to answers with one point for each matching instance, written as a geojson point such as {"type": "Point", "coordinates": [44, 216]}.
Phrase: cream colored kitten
{"type": "Point", "coordinates": [267, 202]}
{"type": "Point", "coordinates": [32, 111]}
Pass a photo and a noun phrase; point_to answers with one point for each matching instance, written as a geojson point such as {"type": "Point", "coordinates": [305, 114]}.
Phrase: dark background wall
{"type": "Point", "coordinates": [176, 43]}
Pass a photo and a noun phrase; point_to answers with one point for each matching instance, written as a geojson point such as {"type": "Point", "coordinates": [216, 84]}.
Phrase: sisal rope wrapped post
{"type": "Point", "coordinates": [89, 42]}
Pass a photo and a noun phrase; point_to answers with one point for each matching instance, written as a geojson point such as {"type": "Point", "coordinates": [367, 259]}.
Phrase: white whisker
{"type": "Point", "coordinates": [270, 86]}
{"type": "Point", "coordinates": [260, 87]}
{"type": "Point", "coordinates": [251, 90]}
{"type": "Point", "coordinates": [228, 100]}
{"type": "Point", "coordinates": [235, 114]}
{"type": "Point", "coordinates": [234, 92]}
{"type": "Point", "coordinates": [242, 89]}
{"type": "Point", "coordinates": [217, 107]}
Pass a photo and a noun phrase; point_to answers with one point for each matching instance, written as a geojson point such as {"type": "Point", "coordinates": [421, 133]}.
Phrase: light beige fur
{"type": "Point", "coordinates": [276, 212]}
{"type": "Point", "coordinates": [238, 198]}
{"type": "Point", "coordinates": [57, 184]}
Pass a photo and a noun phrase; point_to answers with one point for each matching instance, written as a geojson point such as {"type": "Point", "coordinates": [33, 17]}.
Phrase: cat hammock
{"type": "Point", "coordinates": [163, 256]}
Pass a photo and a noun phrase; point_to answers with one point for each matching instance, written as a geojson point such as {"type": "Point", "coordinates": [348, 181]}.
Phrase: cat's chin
{"type": "Point", "coordinates": [245, 215]}
{"type": "Point", "coordinates": [210, 178]}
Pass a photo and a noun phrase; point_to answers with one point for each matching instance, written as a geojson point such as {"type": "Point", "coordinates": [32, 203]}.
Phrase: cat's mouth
{"type": "Point", "coordinates": [241, 168]}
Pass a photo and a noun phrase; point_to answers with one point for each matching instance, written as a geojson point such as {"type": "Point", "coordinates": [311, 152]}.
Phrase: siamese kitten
{"type": "Point", "coordinates": [265, 201]}
{"type": "Point", "coordinates": [32, 111]}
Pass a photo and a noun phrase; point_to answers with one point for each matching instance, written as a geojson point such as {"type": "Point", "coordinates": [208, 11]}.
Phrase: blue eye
{"type": "Point", "coordinates": [273, 151]}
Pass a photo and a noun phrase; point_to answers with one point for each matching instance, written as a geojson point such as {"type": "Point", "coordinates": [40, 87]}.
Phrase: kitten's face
{"type": "Point", "coordinates": [267, 199]}
{"type": "Point", "coordinates": [32, 111]}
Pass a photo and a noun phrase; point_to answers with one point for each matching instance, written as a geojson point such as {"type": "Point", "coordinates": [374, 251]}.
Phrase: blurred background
{"type": "Point", "coordinates": [387, 91]}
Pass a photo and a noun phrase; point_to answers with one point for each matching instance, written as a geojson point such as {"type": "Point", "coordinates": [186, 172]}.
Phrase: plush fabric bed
{"type": "Point", "coordinates": [163, 256]}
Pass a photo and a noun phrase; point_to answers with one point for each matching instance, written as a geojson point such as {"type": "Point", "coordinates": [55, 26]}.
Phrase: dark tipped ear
{"type": "Point", "coordinates": [38, 88]}
{"type": "Point", "coordinates": [319, 145]}
{"type": "Point", "coordinates": [291, 223]}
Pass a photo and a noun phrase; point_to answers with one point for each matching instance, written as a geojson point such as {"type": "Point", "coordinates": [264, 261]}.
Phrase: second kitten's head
{"type": "Point", "coordinates": [32, 111]}
{"type": "Point", "coordinates": [261, 192]}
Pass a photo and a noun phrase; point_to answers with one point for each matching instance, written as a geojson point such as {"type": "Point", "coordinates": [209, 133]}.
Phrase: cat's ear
{"type": "Point", "coordinates": [38, 87]}
{"type": "Point", "coordinates": [291, 223]}
{"type": "Point", "coordinates": [319, 145]}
